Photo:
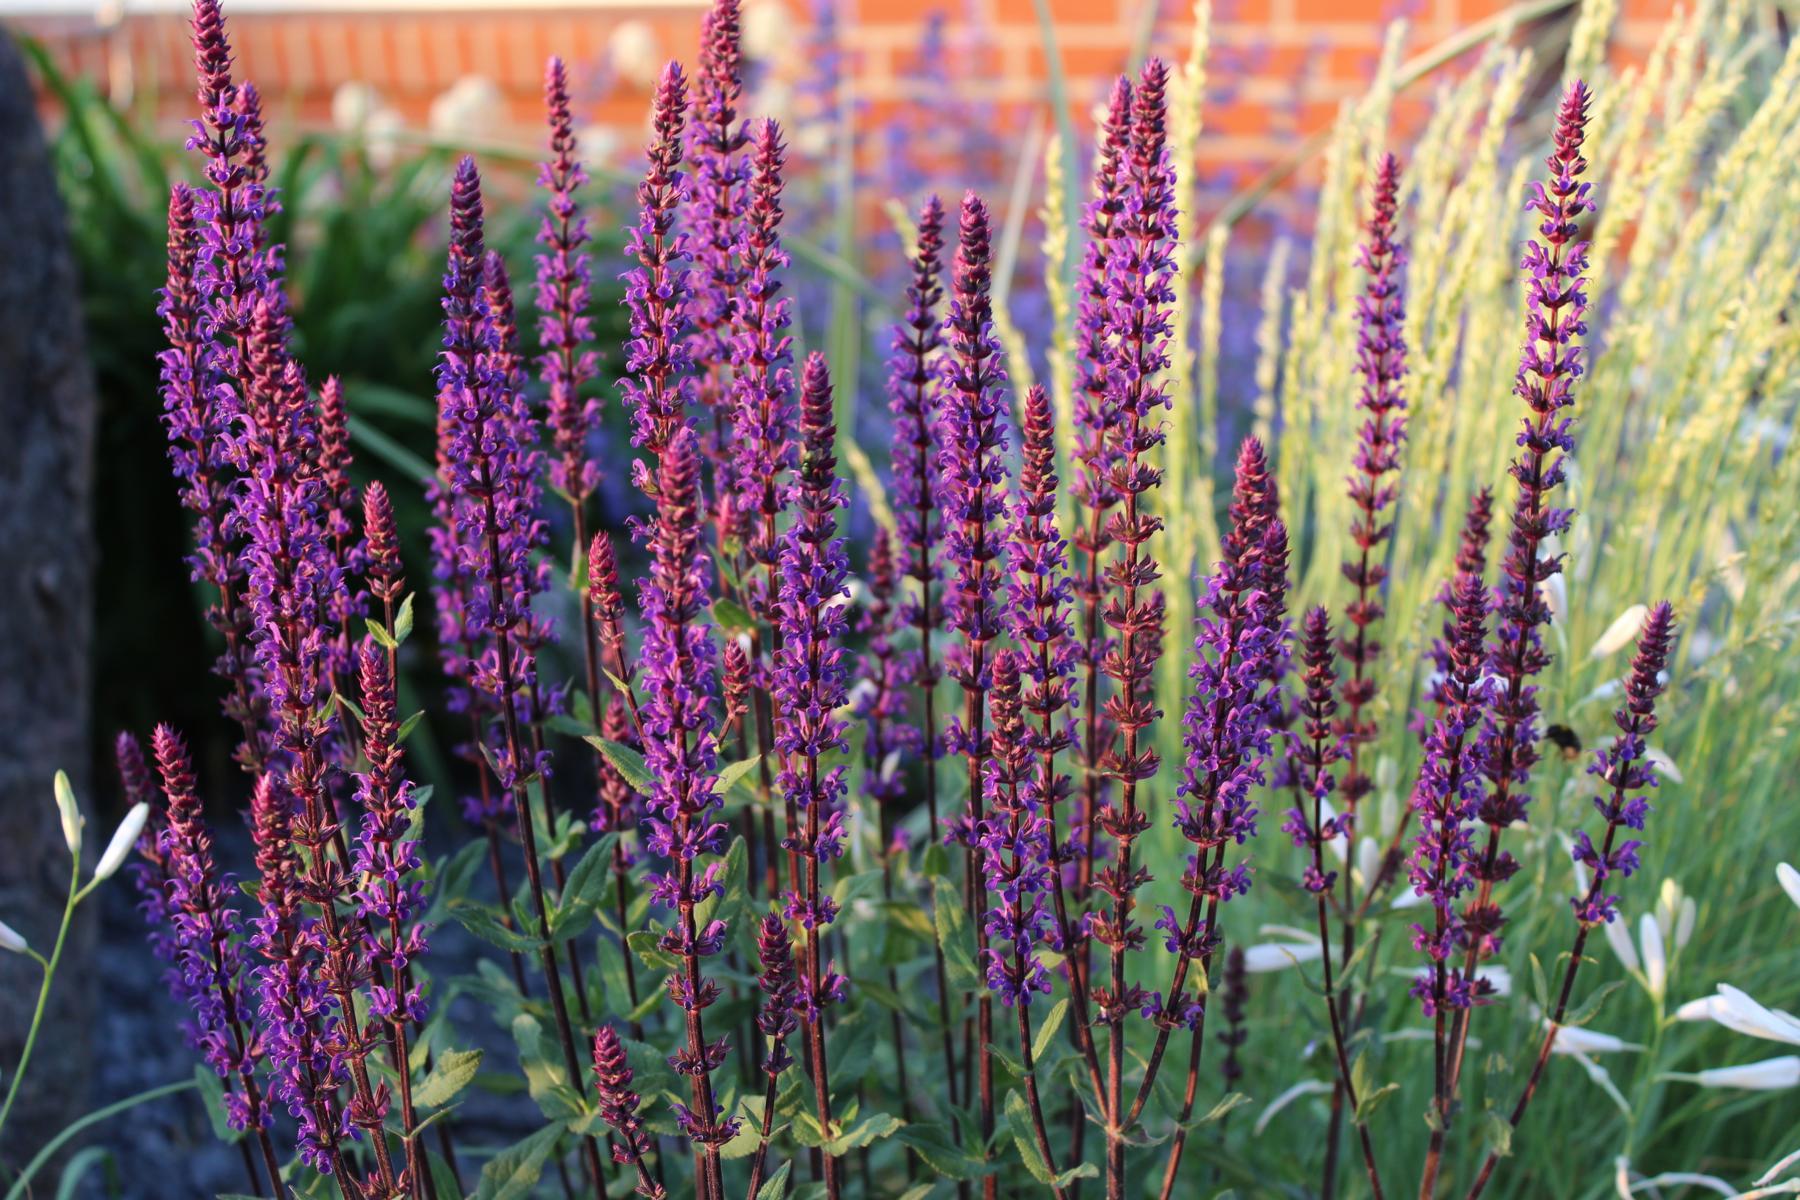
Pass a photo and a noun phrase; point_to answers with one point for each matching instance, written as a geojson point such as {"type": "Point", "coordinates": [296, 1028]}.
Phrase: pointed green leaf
{"type": "Point", "coordinates": [451, 1073]}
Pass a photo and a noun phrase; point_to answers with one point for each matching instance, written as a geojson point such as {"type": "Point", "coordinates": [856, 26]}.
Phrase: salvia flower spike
{"type": "Point", "coordinates": [1551, 361]}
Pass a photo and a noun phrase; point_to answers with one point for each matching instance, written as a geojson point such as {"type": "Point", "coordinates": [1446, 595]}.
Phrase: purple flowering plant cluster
{"type": "Point", "coordinates": [809, 880]}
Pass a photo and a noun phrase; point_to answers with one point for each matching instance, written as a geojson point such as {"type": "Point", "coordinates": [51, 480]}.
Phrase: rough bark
{"type": "Point", "coordinates": [46, 597]}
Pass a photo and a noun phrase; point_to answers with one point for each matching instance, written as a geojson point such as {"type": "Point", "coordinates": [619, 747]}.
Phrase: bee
{"type": "Point", "coordinates": [1565, 740]}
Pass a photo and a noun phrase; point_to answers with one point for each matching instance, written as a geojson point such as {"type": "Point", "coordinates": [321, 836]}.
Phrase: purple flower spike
{"type": "Point", "coordinates": [1471, 559]}
{"type": "Point", "coordinates": [716, 143]}
{"type": "Point", "coordinates": [1227, 729]}
{"type": "Point", "coordinates": [762, 388]}
{"type": "Point", "coordinates": [391, 897]}
{"type": "Point", "coordinates": [1624, 766]}
{"type": "Point", "coordinates": [1039, 596]}
{"type": "Point", "coordinates": [1381, 358]}
{"type": "Point", "coordinates": [619, 1107]}
{"type": "Point", "coordinates": [201, 939]}
{"type": "Point", "coordinates": [1549, 365]}
{"type": "Point", "coordinates": [1317, 750]}
{"type": "Point", "coordinates": [811, 681]}
{"type": "Point", "coordinates": [387, 583]}
{"type": "Point", "coordinates": [1447, 795]}
{"type": "Point", "coordinates": [918, 488]}
{"type": "Point", "coordinates": [880, 698]}
{"type": "Point", "coordinates": [1139, 294]}
{"type": "Point", "coordinates": [568, 362]}
{"type": "Point", "coordinates": [659, 292]}
{"type": "Point", "coordinates": [973, 430]}
{"type": "Point", "coordinates": [1015, 837]}
{"type": "Point", "coordinates": [680, 664]}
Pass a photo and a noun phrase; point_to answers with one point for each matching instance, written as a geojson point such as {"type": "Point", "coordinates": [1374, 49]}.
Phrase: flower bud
{"type": "Point", "coordinates": [69, 811]}
{"type": "Point", "coordinates": [123, 839]}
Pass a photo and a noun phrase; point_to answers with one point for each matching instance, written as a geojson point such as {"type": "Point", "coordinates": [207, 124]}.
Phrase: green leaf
{"type": "Point", "coordinates": [955, 936]}
{"type": "Point", "coordinates": [775, 1187]}
{"type": "Point", "coordinates": [485, 924]}
{"type": "Point", "coordinates": [1591, 1006]}
{"type": "Point", "coordinates": [730, 615]}
{"type": "Point", "coordinates": [512, 1173]}
{"type": "Point", "coordinates": [731, 780]}
{"type": "Point", "coordinates": [625, 761]}
{"type": "Point", "coordinates": [1047, 1030]}
{"type": "Point", "coordinates": [1226, 1103]}
{"type": "Point", "coordinates": [212, 1095]}
{"type": "Point", "coordinates": [1497, 1133]}
{"type": "Point", "coordinates": [643, 943]}
{"type": "Point", "coordinates": [449, 1076]}
{"type": "Point", "coordinates": [403, 620]}
{"type": "Point", "coordinates": [1369, 1100]}
{"type": "Point", "coordinates": [379, 632]}
{"type": "Point", "coordinates": [1018, 1116]}
{"type": "Point", "coordinates": [941, 1151]}
{"type": "Point", "coordinates": [406, 728]}
{"type": "Point", "coordinates": [68, 1184]}
{"type": "Point", "coordinates": [872, 1128]}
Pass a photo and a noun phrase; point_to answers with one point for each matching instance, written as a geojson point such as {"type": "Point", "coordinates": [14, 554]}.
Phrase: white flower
{"type": "Point", "coordinates": [1619, 938]}
{"type": "Point", "coordinates": [69, 811]}
{"type": "Point", "coordinates": [352, 104]}
{"type": "Point", "coordinates": [12, 939]}
{"type": "Point", "coordinates": [1769, 1075]}
{"type": "Point", "coordinates": [1789, 880]}
{"type": "Point", "coordinates": [123, 839]}
{"type": "Point", "coordinates": [470, 107]}
{"type": "Point", "coordinates": [1737, 1012]}
{"type": "Point", "coordinates": [1619, 634]}
{"type": "Point", "coordinates": [1570, 1040]}
{"type": "Point", "coordinates": [1279, 956]}
{"type": "Point", "coordinates": [1675, 913]}
{"type": "Point", "coordinates": [1656, 964]}
{"type": "Point", "coordinates": [1368, 861]}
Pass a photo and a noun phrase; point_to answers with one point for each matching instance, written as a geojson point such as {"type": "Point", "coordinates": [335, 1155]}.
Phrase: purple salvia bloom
{"type": "Point", "coordinates": [1624, 766]}
{"type": "Point", "coordinates": [1040, 592]}
{"type": "Point", "coordinates": [880, 697]}
{"type": "Point", "coordinates": [659, 384]}
{"type": "Point", "coordinates": [1549, 365]}
{"type": "Point", "coordinates": [201, 937]}
{"type": "Point", "coordinates": [1381, 359]}
{"type": "Point", "coordinates": [1227, 729]}
{"type": "Point", "coordinates": [619, 1107]}
{"type": "Point", "coordinates": [810, 673]}
{"type": "Point", "coordinates": [777, 1016]}
{"type": "Point", "coordinates": [340, 501]}
{"type": "Point", "coordinates": [972, 429]}
{"type": "Point", "coordinates": [1471, 559]}
{"type": "Point", "coordinates": [198, 413]}
{"type": "Point", "coordinates": [298, 1024]}
{"type": "Point", "coordinates": [1015, 837]}
{"type": "Point", "coordinates": [762, 385]}
{"type": "Point", "coordinates": [1316, 750]}
{"type": "Point", "coordinates": [387, 583]}
{"type": "Point", "coordinates": [918, 517]}
{"type": "Point", "coordinates": [564, 275]}
{"type": "Point", "coordinates": [391, 897]}
{"type": "Point", "coordinates": [679, 659]}
{"type": "Point", "coordinates": [1139, 294]}
{"type": "Point", "coordinates": [1094, 451]}
{"type": "Point", "coordinates": [721, 171]}
{"type": "Point", "coordinates": [619, 805]}
{"type": "Point", "coordinates": [1447, 795]}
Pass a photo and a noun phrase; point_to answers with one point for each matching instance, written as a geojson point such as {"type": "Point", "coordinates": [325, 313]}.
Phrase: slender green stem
{"type": "Point", "coordinates": [18, 1189]}
{"type": "Point", "coordinates": [37, 1016]}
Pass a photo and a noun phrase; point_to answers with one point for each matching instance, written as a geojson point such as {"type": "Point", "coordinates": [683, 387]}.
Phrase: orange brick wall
{"type": "Point", "coordinates": [1280, 68]}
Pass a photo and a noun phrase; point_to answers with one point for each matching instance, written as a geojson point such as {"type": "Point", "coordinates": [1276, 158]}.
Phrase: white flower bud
{"type": "Point", "coordinates": [69, 811]}
{"type": "Point", "coordinates": [11, 939]}
{"type": "Point", "coordinates": [123, 839]}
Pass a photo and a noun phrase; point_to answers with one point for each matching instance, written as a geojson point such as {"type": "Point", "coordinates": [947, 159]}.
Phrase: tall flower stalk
{"type": "Point", "coordinates": [1624, 768]}
{"type": "Point", "coordinates": [1227, 733]}
{"type": "Point", "coordinates": [490, 456]}
{"type": "Point", "coordinates": [1381, 361]}
{"type": "Point", "coordinates": [974, 441]}
{"type": "Point", "coordinates": [919, 520]}
{"type": "Point", "coordinates": [717, 140]}
{"type": "Point", "coordinates": [1556, 302]}
{"type": "Point", "coordinates": [1139, 296]}
{"type": "Point", "coordinates": [811, 685]}
{"type": "Point", "coordinates": [681, 751]}
{"type": "Point", "coordinates": [201, 942]}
